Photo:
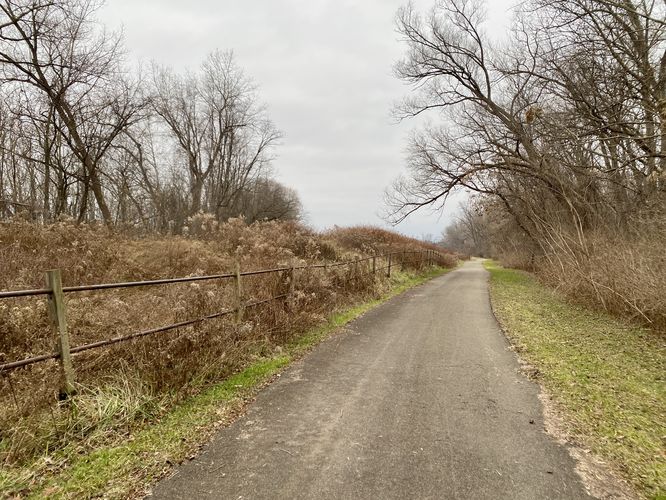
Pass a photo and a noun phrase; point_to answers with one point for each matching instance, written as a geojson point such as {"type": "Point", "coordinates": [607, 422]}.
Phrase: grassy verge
{"type": "Point", "coordinates": [607, 377]}
{"type": "Point", "coordinates": [122, 466]}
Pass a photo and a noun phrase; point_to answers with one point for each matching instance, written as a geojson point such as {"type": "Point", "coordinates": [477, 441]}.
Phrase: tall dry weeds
{"type": "Point", "coordinates": [623, 273]}
{"type": "Point", "coordinates": [120, 385]}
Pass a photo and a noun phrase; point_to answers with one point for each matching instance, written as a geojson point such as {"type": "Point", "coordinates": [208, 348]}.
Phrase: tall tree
{"type": "Point", "coordinates": [57, 48]}
{"type": "Point", "coordinates": [564, 126]}
{"type": "Point", "coordinates": [220, 128]}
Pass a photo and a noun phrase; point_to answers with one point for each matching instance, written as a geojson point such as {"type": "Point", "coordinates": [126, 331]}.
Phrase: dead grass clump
{"type": "Point", "coordinates": [624, 274]}
{"type": "Point", "coordinates": [125, 384]}
{"type": "Point", "coordinates": [369, 240]}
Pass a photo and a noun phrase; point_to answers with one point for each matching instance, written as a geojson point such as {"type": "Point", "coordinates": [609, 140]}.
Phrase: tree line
{"type": "Point", "coordinates": [83, 135]}
{"type": "Point", "coordinates": [558, 132]}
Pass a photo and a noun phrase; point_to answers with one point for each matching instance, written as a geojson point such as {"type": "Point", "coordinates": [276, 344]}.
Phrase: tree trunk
{"type": "Point", "coordinates": [46, 207]}
{"type": "Point", "coordinates": [96, 186]}
{"type": "Point", "coordinates": [195, 191]}
{"type": "Point", "coordinates": [65, 113]}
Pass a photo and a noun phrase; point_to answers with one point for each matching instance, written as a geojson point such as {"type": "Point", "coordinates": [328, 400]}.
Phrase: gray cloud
{"type": "Point", "coordinates": [324, 70]}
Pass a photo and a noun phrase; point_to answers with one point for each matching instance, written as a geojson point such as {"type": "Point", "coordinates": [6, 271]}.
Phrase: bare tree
{"type": "Point", "coordinates": [57, 48]}
{"type": "Point", "coordinates": [536, 125]}
{"type": "Point", "coordinates": [265, 199]}
{"type": "Point", "coordinates": [561, 132]}
{"type": "Point", "coordinates": [81, 137]}
{"type": "Point", "coordinates": [220, 129]}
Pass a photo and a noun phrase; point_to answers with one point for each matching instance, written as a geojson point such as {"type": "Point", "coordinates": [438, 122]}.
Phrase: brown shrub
{"type": "Point", "coordinates": [369, 240]}
{"type": "Point", "coordinates": [152, 372]}
{"type": "Point", "coordinates": [626, 277]}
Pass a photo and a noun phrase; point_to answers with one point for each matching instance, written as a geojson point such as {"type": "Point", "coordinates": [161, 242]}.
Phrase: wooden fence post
{"type": "Point", "coordinates": [402, 260]}
{"type": "Point", "coordinates": [374, 264]}
{"type": "Point", "coordinates": [58, 319]}
{"type": "Point", "coordinates": [388, 274]}
{"type": "Point", "coordinates": [238, 295]}
{"type": "Point", "coordinates": [292, 283]}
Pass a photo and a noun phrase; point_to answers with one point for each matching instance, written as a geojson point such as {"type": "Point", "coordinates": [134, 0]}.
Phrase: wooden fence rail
{"type": "Point", "coordinates": [55, 293]}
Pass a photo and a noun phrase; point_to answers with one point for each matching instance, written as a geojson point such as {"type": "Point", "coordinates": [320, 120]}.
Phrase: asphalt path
{"type": "Point", "coordinates": [419, 398]}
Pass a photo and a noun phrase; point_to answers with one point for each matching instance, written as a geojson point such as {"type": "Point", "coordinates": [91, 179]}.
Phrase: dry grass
{"type": "Point", "coordinates": [604, 374]}
{"type": "Point", "coordinates": [123, 465]}
{"type": "Point", "coordinates": [371, 240]}
{"type": "Point", "coordinates": [123, 385]}
{"type": "Point", "coordinates": [623, 274]}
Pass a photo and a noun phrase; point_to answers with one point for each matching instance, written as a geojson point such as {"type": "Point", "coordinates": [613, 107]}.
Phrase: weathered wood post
{"type": "Point", "coordinates": [58, 319]}
{"type": "Point", "coordinates": [238, 293]}
{"type": "Point", "coordinates": [292, 284]}
{"type": "Point", "coordinates": [374, 264]}
{"type": "Point", "coordinates": [402, 260]}
{"type": "Point", "coordinates": [388, 274]}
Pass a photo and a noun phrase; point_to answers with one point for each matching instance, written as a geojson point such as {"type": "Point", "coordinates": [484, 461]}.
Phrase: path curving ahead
{"type": "Point", "coordinates": [419, 398]}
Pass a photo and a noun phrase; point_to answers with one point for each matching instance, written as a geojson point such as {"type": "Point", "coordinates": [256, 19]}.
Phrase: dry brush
{"type": "Point", "coordinates": [126, 383]}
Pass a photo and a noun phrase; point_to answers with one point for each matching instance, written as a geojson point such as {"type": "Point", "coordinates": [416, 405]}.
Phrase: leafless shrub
{"type": "Point", "coordinates": [119, 384]}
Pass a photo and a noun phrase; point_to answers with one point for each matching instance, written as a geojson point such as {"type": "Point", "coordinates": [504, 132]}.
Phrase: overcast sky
{"type": "Point", "coordinates": [324, 68]}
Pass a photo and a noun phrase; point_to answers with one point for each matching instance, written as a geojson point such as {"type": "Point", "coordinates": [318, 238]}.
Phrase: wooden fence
{"type": "Point", "coordinates": [55, 293]}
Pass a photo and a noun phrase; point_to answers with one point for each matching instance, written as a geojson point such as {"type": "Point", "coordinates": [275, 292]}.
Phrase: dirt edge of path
{"type": "Point", "coordinates": [598, 478]}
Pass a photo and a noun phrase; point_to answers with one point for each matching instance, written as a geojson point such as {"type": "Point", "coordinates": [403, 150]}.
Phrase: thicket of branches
{"type": "Point", "coordinates": [561, 133]}
{"type": "Point", "coordinates": [82, 135]}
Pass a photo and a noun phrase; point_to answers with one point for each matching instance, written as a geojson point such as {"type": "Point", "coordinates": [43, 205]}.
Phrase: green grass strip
{"type": "Point", "coordinates": [608, 377]}
{"type": "Point", "coordinates": [123, 469]}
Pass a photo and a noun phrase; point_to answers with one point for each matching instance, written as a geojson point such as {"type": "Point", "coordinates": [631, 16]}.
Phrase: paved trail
{"type": "Point", "coordinates": [420, 398]}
